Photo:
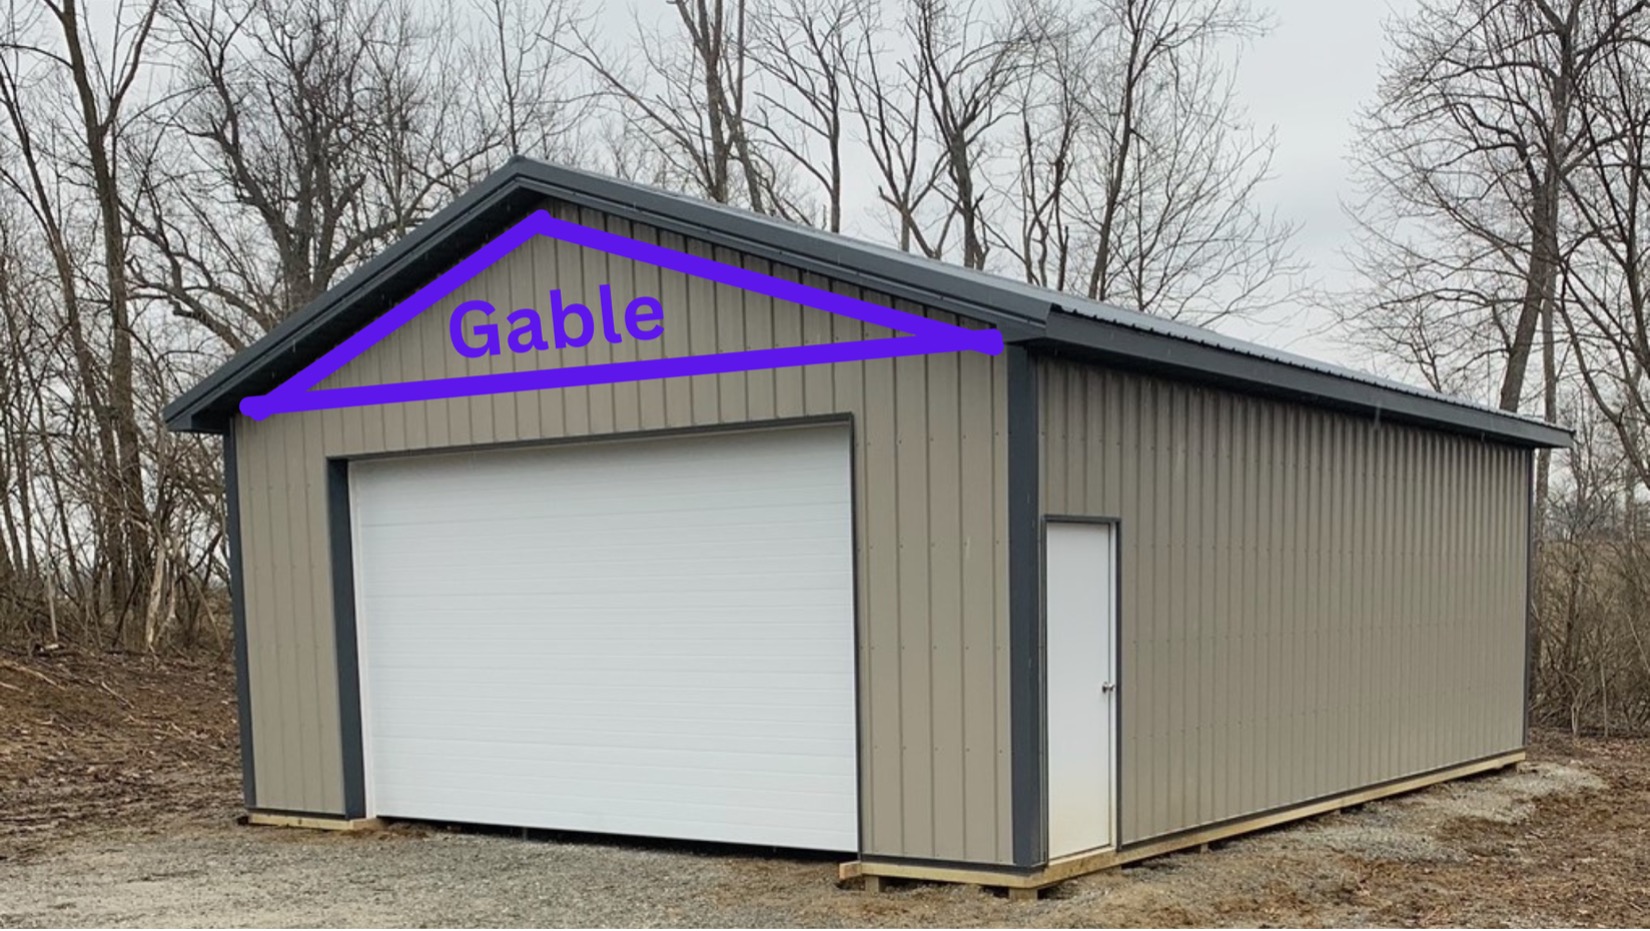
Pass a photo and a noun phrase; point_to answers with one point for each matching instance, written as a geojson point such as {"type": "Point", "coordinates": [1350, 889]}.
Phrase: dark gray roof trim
{"type": "Point", "coordinates": [1144, 351]}
{"type": "Point", "coordinates": [1040, 318]}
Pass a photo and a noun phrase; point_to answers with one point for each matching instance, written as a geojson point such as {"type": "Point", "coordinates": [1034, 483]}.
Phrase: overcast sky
{"type": "Point", "coordinates": [1308, 79]}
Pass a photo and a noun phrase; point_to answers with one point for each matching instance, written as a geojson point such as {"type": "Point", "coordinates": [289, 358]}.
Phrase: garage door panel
{"type": "Point", "coordinates": [732, 706]}
{"type": "Point", "coordinates": [520, 789]}
{"type": "Point", "coordinates": [798, 584]}
{"type": "Point", "coordinates": [465, 706]}
{"type": "Point", "coordinates": [437, 681]}
{"type": "Point", "coordinates": [673, 733]}
{"type": "Point", "coordinates": [647, 637]}
{"type": "Point", "coordinates": [672, 676]}
{"type": "Point", "coordinates": [591, 749]}
{"type": "Point", "coordinates": [697, 821]}
{"type": "Point", "coordinates": [593, 800]}
{"type": "Point", "coordinates": [611, 537]}
{"type": "Point", "coordinates": [744, 607]}
{"type": "Point", "coordinates": [691, 655]}
{"type": "Point", "coordinates": [588, 806]}
{"type": "Point", "coordinates": [789, 574]}
{"type": "Point", "coordinates": [731, 505]}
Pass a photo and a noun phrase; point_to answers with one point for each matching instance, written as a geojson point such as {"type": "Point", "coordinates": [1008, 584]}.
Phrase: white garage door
{"type": "Point", "coordinates": [649, 637]}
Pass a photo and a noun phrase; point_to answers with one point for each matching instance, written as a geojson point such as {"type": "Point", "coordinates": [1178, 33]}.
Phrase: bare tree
{"type": "Point", "coordinates": [281, 145]}
{"type": "Point", "coordinates": [57, 50]}
{"type": "Point", "coordinates": [526, 88]}
{"type": "Point", "coordinates": [1500, 214]}
{"type": "Point", "coordinates": [1054, 117]}
{"type": "Point", "coordinates": [1604, 307]}
{"type": "Point", "coordinates": [1467, 154]}
{"type": "Point", "coordinates": [687, 98]}
{"type": "Point", "coordinates": [1136, 174]}
{"type": "Point", "coordinates": [965, 67]}
{"type": "Point", "coordinates": [304, 136]}
{"type": "Point", "coordinates": [806, 49]}
{"type": "Point", "coordinates": [888, 104]}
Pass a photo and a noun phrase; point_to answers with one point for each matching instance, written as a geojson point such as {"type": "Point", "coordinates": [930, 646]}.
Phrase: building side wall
{"type": "Point", "coordinates": [1311, 603]}
{"type": "Point", "coordinates": [929, 470]}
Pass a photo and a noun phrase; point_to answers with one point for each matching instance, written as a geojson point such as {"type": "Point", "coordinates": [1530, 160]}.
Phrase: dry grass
{"type": "Point", "coordinates": [118, 788]}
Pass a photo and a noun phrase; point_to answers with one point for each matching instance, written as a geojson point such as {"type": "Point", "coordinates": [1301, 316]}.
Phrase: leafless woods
{"type": "Point", "coordinates": [179, 176]}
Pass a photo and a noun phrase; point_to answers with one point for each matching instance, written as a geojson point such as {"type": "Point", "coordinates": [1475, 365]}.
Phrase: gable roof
{"type": "Point", "coordinates": [1038, 318]}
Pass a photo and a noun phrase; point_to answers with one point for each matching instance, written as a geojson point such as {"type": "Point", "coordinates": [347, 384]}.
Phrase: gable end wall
{"type": "Point", "coordinates": [930, 472]}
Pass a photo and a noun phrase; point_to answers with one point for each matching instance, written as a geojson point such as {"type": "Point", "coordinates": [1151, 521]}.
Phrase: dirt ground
{"type": "Point", "coordinates": [119, 793]}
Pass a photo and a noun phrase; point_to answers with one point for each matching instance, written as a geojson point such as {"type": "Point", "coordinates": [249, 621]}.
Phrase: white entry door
{"type": "Point", "coordinates": [1082, 694]}
{"type": "Point", "coordinates": [650, 637]}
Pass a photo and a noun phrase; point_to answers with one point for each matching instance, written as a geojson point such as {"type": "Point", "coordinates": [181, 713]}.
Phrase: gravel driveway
{"type": "Point", "coordinates": [1475, 852]}
{"type": "Point", "coordinates": [205, 877]}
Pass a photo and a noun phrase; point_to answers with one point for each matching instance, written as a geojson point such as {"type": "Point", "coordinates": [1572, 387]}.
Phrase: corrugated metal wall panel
{"type": "Point", "coordinates": [930, 467]}
{"type": "Point", "coordinates": [1311, 603]}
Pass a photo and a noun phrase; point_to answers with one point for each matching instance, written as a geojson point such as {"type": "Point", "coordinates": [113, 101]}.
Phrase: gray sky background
{"type": "Point", "coordinates": [1308, 78]}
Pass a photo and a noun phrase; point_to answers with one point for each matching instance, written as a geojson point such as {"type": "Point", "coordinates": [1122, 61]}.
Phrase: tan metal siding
{"type": "Point", "coordinates": [1312, 603]}
{"type": "Point", "coordinates": [929, 461]}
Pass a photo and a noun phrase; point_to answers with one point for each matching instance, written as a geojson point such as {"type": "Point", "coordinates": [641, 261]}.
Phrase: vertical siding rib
{"type": "Point", "coordinates": [880, 581]}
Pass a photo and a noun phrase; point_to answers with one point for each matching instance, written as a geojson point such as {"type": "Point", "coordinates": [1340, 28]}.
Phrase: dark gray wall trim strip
{"type": "Point", "coordinates": [237, 614]}
{"type": "Point", "coordinates": [343, 616]}
{"type": "Point", "coordinates": [1532, 549]}
{"type": "Point", "coordinates": [1025, 630]}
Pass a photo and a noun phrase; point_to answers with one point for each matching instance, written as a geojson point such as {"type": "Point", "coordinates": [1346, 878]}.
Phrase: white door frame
{"type": "Point", "coordinates": [1115, 673]}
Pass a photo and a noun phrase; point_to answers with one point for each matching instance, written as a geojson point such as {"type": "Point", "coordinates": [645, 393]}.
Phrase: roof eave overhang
{"type": "Point", "coordinates": [1157, 354]}
{"type": "Point", "coordinates": [523, 185]}
{"type": "Point", "coordinates": [370, 290]}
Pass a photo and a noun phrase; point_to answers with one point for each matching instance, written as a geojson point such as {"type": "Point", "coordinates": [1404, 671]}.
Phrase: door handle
{"type": "Point", "coordinates": [1106, 688]}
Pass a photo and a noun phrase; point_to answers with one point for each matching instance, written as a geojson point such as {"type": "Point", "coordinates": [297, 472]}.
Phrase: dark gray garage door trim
{"type": "Point", "coordinates": [345, 641]}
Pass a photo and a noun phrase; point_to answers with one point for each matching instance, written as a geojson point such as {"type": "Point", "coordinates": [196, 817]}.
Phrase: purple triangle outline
{"type": "Point", "coordinates": [923, 336]}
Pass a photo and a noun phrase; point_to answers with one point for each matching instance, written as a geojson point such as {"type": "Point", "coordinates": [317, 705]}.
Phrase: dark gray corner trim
{"type": "Point", "coordinates": [1532, 632]}
{"type": "Point", "coordinates": [1025, 632]}
{"type": "Point", "coordinates": [1159, 354]}
{"type": "Point", "coordinates": [347, 650]}
{"type": "Point", "coordinates": [862, 671]}
{"type": "Point", "coordinates": [237, 614]}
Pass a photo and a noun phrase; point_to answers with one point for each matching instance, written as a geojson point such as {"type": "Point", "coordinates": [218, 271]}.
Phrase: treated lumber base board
{"type": "Point", "coordinates": [1019, 884]}
{"type": "Point", "coordinates": [312, 822]}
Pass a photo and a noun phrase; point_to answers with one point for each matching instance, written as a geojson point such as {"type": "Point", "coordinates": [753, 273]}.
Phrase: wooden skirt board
{"type": "Point", "coordinates": [1062, 869]}
{"type": "Point", "coordinates": [312, 822]}
{"type": "Point", "coordinates": [649, 637]}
